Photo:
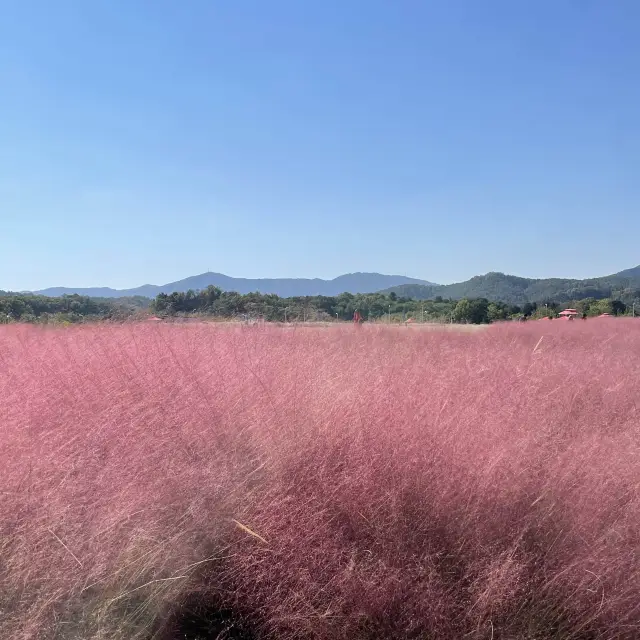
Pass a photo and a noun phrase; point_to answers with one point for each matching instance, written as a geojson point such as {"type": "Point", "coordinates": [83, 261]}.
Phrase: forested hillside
{"type": "Point", "coordinates": [623, 286]}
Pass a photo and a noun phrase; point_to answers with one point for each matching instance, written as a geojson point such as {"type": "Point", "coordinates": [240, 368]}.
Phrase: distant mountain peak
{"type": "Point", "coordinates": [359, 282]}
{"type": "Point", "coordinates": [494, 285]}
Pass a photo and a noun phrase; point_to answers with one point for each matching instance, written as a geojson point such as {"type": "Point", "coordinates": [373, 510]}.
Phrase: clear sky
{"type": "Point", "coordinates": [146, 141]}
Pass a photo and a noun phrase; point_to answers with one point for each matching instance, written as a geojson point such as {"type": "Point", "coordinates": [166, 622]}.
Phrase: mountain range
{"type": "Point", "coordinates": [283, 287]}
{"type": "Point", "coordinates": [624, 285]}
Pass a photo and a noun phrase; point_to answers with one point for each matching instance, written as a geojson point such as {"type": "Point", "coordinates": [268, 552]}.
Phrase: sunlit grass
{"type": "Point", "coordinates": [337, 483]}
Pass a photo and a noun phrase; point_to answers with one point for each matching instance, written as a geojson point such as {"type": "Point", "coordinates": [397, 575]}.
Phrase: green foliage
{"type": "Point", "coordinates": [475, 311]}
{"type": "Point", "coordinates": [372, 306]}
{"type": "Point", "coordinates": [500, 287]}
{"type": "Point", "coordinates": [231, 305]}
{"type": "Point", "coordinates": [69, 308]}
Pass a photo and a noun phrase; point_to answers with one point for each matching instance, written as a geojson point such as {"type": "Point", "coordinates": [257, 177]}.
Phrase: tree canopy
{"type": "Point", "coordinates": [501, 287]}
{"type": "Point", "coordinates": [214, 302]}
{"type": "Point", "coordinates": [70, 308]}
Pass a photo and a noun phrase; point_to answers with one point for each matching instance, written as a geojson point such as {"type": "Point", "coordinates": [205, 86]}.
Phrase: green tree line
{"type": "Point", "coordinates": [372, 307]}
{"type": "Point", "coordinates": [270, 307]}
{"type": "Point", "coordinates": [212, 301]}
{"type": "Point", "coordinates": [69, 308]}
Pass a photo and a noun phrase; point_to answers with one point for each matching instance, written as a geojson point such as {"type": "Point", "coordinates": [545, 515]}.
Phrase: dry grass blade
{"type": "Point", "coordinates": [73, 555]}
{"type": "Point", "coordinates": [146, 584]}
{"type": "Point", "coordinates": [537, 345]}
{"type": "Point", "coordinates": [246, 529]}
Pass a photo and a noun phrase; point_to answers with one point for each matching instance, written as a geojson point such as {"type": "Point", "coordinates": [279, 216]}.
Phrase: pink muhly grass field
{"type": "Point", "coordinates": [167, 481]}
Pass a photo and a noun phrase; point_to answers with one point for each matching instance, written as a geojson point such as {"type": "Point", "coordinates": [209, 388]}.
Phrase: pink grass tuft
{"type": "Point", "coordinates": [320, 483]}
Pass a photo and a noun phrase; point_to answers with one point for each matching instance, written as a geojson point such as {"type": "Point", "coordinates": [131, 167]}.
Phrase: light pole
{"type": "Point", "coordinates": [423, 313]}
{"type": "Point", "coordinates": [389, 314]}
{"type": "Point", "coordinates": [285, 315]}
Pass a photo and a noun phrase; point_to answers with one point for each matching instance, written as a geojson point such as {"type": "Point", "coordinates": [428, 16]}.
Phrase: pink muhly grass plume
{"type": "Point", "coordinates": [166, 481]}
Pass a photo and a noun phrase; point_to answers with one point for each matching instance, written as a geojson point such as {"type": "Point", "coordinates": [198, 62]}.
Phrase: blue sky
{"type": "Point", "coordinates": [145, 141]}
